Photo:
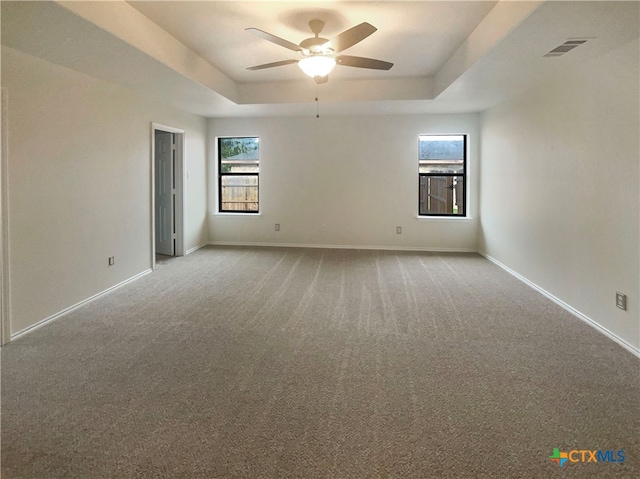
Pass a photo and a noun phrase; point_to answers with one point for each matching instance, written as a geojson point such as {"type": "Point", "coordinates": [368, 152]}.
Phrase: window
{"type": "Point", "coordinates": [238, 166]}
{"type": "Point", "coordinates": [442, 166]}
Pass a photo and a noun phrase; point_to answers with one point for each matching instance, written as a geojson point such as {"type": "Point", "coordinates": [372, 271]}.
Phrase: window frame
{"type": "Point", "coordinates": [221, 174]}
{"type": "Point", "coordinates": [452, 175]}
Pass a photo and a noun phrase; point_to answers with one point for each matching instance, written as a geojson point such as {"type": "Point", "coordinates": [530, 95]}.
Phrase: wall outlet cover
{"type": "Point", "coordinates": [621, 301]}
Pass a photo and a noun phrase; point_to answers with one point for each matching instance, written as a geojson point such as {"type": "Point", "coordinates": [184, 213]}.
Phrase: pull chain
{"type": "Point", "coordinates": [317, 101]}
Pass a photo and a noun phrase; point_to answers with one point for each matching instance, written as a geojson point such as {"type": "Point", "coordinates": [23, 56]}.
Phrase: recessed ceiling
{"type": "Point", "coordinates": [418, 37]}
{"type": "Point", "coordinates": [449, 56]}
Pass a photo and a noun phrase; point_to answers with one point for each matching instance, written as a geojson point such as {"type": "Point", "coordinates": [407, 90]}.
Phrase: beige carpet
{"type": "Point", "coordinates": [311, 363]}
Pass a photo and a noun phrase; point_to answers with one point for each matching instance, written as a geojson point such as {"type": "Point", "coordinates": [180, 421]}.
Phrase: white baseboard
{"type": "Point", "coordinates": [629, 347]}
{"type": "Point", "coordinates": [77, 305]}
{"type": "Point", "coordinates": [195, 248]}
{"type": "Point", "coordinates": [335, 246]}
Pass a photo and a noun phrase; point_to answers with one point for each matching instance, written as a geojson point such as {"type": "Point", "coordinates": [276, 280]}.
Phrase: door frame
{"type": "Point", "coordinates": [180, 190]}
{"type": "Point", "coordinates": [5, 297]}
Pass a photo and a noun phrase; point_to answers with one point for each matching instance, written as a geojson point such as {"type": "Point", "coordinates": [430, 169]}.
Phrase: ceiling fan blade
{"type": "Point", "coordinates": [350, 37]}
{"type": "Point", "coordinates": [320, 80]}
{"type": "Point", "coordinates": [271, 65]}
{"type": "Point", "coordinates": [361, 62]}
{"type": "Point", "coordinates": [273, 39]}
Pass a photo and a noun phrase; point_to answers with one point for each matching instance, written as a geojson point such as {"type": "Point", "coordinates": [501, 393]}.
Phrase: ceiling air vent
{"type": "Point", "coordinates": [565, 48]}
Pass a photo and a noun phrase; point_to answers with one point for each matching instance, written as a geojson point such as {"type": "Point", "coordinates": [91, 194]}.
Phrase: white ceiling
{"type": "Point", "coordinates": [418, 37]}
{"type": "Point", "coordinates": [449, 56]}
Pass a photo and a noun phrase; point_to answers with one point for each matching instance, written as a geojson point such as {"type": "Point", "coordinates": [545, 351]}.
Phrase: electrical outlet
{"type": "Point", "coordinates": [621, 301]}
{"type": "Point", "coordinates": [277, 226]}
{"type": "Point", "coordinates": [112, 260]}
{"type": "Point", "coordinates": [399, 230]}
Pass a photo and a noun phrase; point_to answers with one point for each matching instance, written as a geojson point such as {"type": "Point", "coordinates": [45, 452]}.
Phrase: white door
{"type": "Point", "coordinates": [164, 165]}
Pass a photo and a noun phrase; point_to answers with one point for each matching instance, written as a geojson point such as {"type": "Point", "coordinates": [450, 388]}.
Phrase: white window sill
{"type": "Point", "coordinates": [241, 215]}
{"type": "Point", "coordinates": [455, 219]}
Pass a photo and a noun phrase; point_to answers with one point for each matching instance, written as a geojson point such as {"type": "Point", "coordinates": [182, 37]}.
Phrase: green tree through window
{"type": "Point", "coordinates": [238, 170]}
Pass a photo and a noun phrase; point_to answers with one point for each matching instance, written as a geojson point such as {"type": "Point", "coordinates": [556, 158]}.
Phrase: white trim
{"type": "Point", "coordinates": [229, 213]}
{"type": "Point", "coordinates": [181, 176]}
{"type": "Point", "coordinates": [452, 219]}
{"type": "Point", "coordinates": [598, 327]}
{"type": "Point", "coordinates": [195, 248]}
{"type": "Point", "coordinates": [42, 322]}
{"type": "Point", "coordinates": [5, 287]}
{"type": "Point", "coordinates": [336, 246]}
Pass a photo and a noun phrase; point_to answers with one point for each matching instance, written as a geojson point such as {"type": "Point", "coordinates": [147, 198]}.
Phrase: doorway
{"type": "Point", "coordinates": [167, 197]}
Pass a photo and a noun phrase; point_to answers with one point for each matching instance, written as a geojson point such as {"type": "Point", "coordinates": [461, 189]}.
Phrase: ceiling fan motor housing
{"type": "Point", "coordinates": [316, 46]}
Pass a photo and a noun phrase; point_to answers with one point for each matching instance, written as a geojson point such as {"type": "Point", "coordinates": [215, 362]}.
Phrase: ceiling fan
{"type": "Point", "coordinates": [318, 53]}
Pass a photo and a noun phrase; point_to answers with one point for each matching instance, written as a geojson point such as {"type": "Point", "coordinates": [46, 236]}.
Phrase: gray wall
{"type": "Point", "coordinates": [344, 181]}
{"type": "Point", "coordinates": [559, 188]}
{"type": "Point", "coordinates": [541, 202]}
{"type": "Point", "coordinates": [79, 184]}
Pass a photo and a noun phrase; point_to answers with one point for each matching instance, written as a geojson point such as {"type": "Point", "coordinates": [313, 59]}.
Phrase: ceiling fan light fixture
{"type": "Point", "coordinates": [317, 66]}
{"type": "Point", "coordinates": [318, 60]}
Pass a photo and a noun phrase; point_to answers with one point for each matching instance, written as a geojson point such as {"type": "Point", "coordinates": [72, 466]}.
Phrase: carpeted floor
{"type": "Point", "coordinates": [312, 363]}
